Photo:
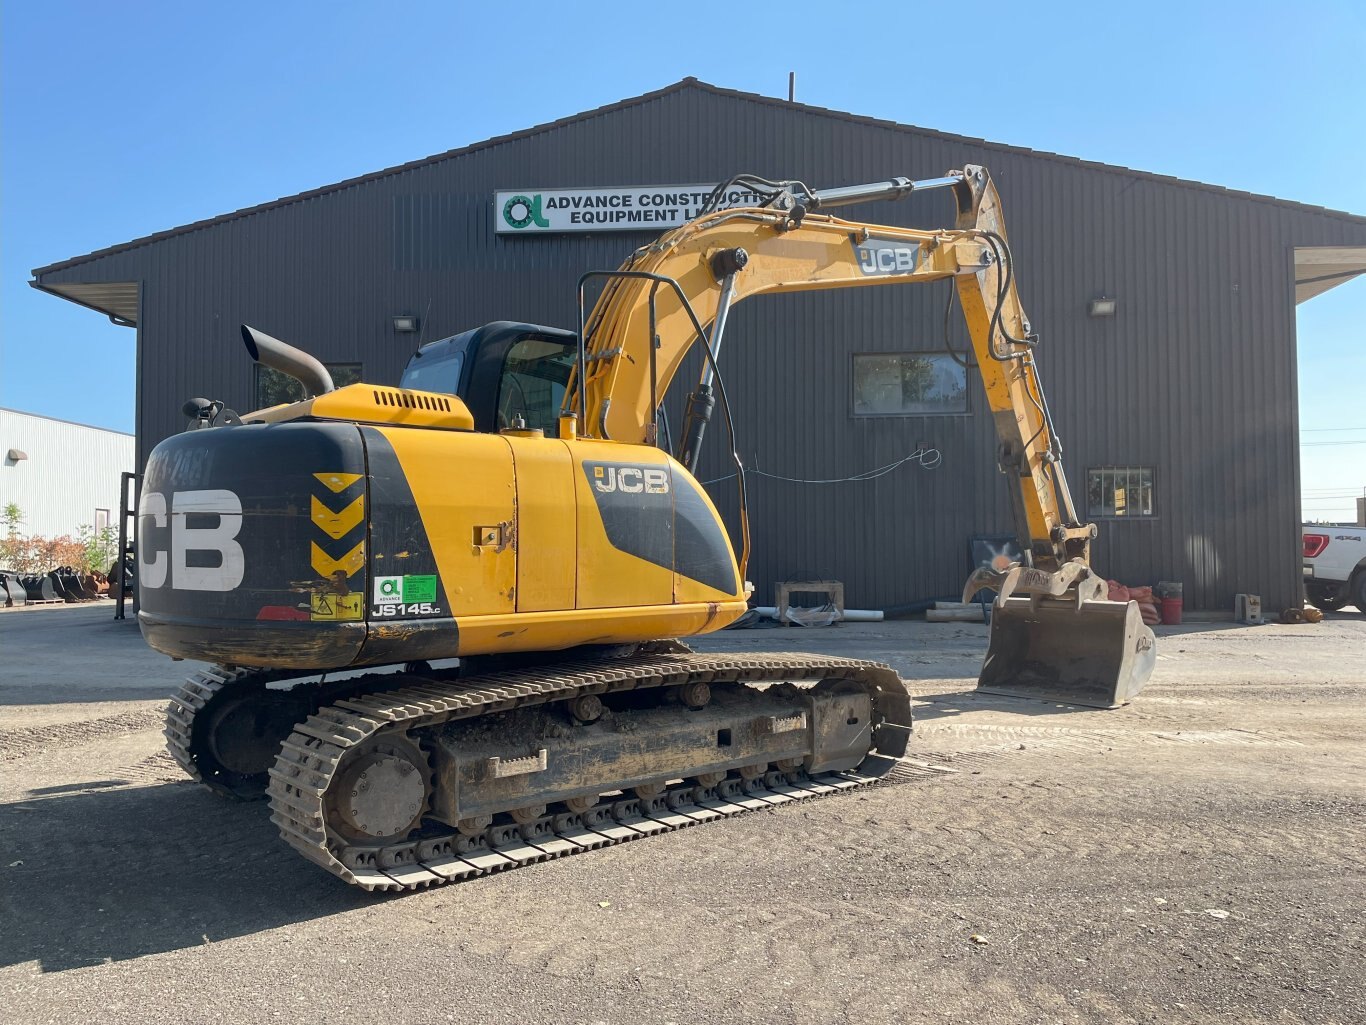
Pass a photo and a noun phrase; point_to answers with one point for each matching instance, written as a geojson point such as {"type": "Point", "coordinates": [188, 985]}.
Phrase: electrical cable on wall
{"type": "Point", "coordinates": [928, 458]}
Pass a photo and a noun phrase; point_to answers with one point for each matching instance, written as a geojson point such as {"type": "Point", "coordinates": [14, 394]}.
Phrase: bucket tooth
{"type": "Point", "coordinates": [1093, 653]}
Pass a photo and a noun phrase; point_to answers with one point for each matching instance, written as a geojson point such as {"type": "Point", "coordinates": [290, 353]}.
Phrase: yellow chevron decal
{"type": "Point", "coordinates": [338, 482]}
{"type": "Point", "coordinates": [326, 566]}
{"type": "Point", "coordinates": [336, 524]}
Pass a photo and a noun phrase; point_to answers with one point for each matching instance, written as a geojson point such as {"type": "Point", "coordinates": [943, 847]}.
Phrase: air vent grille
{"type": "Point", "coordinates": [411, 400]}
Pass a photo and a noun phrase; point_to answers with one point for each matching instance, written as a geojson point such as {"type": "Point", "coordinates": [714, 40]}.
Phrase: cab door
{"type": "Point", "coordinates": [547, 524]}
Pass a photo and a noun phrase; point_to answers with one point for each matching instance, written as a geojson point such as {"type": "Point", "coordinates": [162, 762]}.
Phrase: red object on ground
{"type": "Point", "coordinates": [1171, 611]}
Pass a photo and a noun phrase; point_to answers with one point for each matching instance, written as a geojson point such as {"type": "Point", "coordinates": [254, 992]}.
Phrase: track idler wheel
{"type": "Point", "coordinates": [237, 736]}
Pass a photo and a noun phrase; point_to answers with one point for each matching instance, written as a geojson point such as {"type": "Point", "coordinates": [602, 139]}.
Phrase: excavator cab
{"type": "Point", "coordinates": [508, 373]}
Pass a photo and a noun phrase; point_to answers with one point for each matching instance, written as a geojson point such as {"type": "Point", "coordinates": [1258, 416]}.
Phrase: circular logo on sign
{"type": "Point", "coordinates": [518, 211]}
{"type": "Point", "coordinates": [390, 588]}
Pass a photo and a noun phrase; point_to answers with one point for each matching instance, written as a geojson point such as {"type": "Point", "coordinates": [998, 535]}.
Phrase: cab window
{"type": "Point", "coordinates": [535, 374]}
{"type": "Point", "coordinates": [441, 375]}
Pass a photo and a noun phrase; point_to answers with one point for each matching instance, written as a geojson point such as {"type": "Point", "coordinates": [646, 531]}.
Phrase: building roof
{"type": "Point", "coordinates": [69, 423]}
{"type": "Point", "coordinates": [677, 87]}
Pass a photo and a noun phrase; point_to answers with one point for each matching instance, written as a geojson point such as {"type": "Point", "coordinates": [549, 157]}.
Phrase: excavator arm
{"type": "Point", "coordinates": [723, 257]}
{"type": "Point", "coordinates": [677, 292]}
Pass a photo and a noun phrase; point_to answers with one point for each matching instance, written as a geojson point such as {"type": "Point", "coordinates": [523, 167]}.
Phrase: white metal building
{"type": "Point", "coordinates": [61, 475]}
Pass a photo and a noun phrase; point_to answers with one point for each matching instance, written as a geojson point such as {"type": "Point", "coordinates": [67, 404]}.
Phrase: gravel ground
{"type": "Point", "coordinates": [1198, 856]}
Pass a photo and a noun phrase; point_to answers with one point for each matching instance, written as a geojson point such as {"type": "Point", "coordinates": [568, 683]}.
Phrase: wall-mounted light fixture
{"type": "Point", "coordinates": [14, 455]}
{"type": "Point", "coordinates": [1102, 306]}
{"type": "Point", "coordinates": [405, 324]}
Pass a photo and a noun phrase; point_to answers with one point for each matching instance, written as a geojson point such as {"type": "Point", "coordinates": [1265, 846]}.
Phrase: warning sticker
{"type": "Point", "coordinates": [323, 605]}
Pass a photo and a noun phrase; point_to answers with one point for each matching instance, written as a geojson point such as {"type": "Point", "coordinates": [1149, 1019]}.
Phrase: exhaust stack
{"type": "Point", "coordinates": [287, 359]}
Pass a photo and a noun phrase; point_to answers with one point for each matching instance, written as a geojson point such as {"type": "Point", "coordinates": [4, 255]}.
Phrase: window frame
{"type": "Point", "coordinates": [854, 414]}
{"type": "Point", "coordinates": [1111, 468]}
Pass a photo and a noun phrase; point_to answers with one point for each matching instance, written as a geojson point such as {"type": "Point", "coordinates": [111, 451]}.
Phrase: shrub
{"type": "Point", "coordinates": [90, 550]}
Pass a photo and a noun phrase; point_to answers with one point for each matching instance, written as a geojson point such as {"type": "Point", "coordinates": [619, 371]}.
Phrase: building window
{"type": "Point", "coordinates": [274, 388]}
{"type": "Point", "coordinates": [1120, 491]}
{"type": "Point", "coordinates": [909, 384]}
{"type": "Point", "coordinates": [101, 520]}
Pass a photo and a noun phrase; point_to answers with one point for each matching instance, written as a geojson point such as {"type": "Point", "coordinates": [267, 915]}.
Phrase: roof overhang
{"type": "Point", "coordinates": [1319, 268]}
{"type": "Point", "coordinates": [116, 299]}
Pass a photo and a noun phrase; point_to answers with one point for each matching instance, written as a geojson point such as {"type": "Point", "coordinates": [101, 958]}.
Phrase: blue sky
{"type": "Point", "coordinates": [124, 119]}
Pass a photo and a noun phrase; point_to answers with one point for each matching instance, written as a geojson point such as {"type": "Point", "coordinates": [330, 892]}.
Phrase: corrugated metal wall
{"type": "Point", "coordinates": [1195, 376]}
{"type": "Point", "coordinates": [71, 471]}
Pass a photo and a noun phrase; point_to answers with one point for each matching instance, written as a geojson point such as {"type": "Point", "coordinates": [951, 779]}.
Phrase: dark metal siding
{"type": "Point", "coordinates": [1195, 376]}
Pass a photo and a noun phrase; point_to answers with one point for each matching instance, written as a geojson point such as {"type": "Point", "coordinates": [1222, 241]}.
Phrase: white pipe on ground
{"type": "Point", "coordinates": [850, 615]}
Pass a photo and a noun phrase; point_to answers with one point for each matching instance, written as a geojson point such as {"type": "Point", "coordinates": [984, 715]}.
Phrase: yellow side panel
{"type": "Point", "coordinates": [639, 519]}
{"type": "Point", "coordinates": [464, 487]}
{"type": "Point", "coordinates": [553, 631]}
{"type": "Point", "coordinates": [547, 524]}
{"type": "Point", "coordinates": [375, 404]}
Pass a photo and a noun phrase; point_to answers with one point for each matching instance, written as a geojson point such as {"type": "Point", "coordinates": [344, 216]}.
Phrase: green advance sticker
{"type": "Point", "coordinates": [419, 589]}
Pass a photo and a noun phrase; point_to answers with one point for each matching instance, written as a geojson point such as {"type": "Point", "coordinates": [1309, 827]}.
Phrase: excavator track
{"type": "Point", "coordinates": [199, 696]}
{"type": "Point", "coordinates": [306, 777]}
{"type": "Point", "coordinates": [196, 710]}
{"type": "Point", "coordinates": [224, 725]}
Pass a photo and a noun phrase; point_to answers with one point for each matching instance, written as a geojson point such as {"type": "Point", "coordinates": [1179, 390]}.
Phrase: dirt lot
{"type": "Point", "coordinates": [1198, 856]}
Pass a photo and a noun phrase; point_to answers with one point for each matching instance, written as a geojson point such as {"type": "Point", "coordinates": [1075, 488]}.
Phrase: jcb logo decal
{"type": "Point", "coordinates": [157, 564]}
{"type": "Point", "coordinates": [649, 480]}
{"type": "Point", "coordinates": [883, 256]}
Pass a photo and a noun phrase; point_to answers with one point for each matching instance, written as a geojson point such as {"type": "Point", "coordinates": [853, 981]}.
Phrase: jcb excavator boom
{"type": "Point", "coordinates": [1061, 639]}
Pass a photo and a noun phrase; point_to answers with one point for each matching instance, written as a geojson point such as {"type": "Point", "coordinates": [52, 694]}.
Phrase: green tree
{"type": "Point", "coordinates": [99, 547]}
{"type": "Point", "coordinates": [13, 546]}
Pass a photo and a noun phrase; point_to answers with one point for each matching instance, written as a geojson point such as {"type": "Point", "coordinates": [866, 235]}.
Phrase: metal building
{"type": "Point", "coordinates": [62, 475]}
{"type": "Point", "coordinates": [1177, 411]}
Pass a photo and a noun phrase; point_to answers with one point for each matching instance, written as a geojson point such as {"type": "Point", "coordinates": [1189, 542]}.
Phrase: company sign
{"type": "Point", "coordinates": [642, 208]}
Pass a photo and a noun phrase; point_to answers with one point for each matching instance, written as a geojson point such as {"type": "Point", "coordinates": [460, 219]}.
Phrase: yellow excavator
{"type": "Point", "coordinates": [509, 506]}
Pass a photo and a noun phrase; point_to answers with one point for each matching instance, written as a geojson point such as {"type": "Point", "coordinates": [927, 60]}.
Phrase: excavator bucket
{"type": "Point", "coordinates": [1094, 653]}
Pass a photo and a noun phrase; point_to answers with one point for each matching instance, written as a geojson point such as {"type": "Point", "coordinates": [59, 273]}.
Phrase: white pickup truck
{"type": "Point", "coordinates": [1335, 566]}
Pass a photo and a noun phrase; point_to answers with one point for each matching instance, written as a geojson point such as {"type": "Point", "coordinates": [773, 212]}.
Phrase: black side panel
{"type": "Point", "coordinates": [230, 562]}
{"type": "Point", "coordinates": [639, 520]}
{"type": "Point", "coordinates": [406, 604]}
{"type": "Point", "coordinates": [657, 514]}
{"type": "Point", "coordinates": [700, 546]}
